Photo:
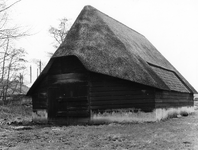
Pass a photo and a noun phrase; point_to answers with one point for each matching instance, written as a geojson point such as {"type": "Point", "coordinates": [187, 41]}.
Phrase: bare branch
{"type": "Point", "coordinates": [59, 33]}
{"type": "Point", "coordinates": [9, 6]}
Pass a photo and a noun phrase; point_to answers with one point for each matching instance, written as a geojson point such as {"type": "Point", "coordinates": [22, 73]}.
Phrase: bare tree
{"type": "Point", "coordinates": [6, 31]}
{"type": "Point", "coordinates": [12, 65]}
{"type": "Point", "coordinates": [12, 61]}
{"type": "Point", "coordinates": [4, 7]}
{"type": "Point", "coordinates": [60, 33]}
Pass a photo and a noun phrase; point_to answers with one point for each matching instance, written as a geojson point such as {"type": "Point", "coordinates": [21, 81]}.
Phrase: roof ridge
{"type": "Point", "coordinates": [87, 7]}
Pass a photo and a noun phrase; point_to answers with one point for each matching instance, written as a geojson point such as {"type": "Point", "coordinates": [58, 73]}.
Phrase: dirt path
{"type": "Point", "coordinates": [176, 133]}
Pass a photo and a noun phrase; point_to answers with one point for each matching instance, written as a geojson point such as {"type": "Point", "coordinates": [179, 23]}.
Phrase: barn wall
{"type": "Point", "coordinates": [39, 97]}
{"type": "Point", "coordinates": [170, 103]}
{"type": "Point", "coordinates": [39, 102]}
{"type": "Point", "coordinates": [109, 95]}
{"type": "Point", "coordinates": [63, 92]}
{"type": "Point", "coordinates": [64, 65]}
{"type": "Point", "coordinates": [169, 99]}
{"type": "Point", "coordinates": [68, 101]}
{"type": "Point", "coordinates": [70, 91]}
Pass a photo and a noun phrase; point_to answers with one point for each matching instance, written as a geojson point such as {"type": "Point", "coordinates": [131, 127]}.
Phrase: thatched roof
{"type": "Point", "coordinates": [106, 46]}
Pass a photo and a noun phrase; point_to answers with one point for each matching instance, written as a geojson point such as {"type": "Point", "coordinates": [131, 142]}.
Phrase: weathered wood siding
{"type": "Point", "coordinates": [169, 99]}
{"type": "Point", "coordinates": [69, 91]}
{"type": "Point", "coordinates": [39, 98]}
{"type": "Point", "coordinates": [69, 64]}
{"type": "Point", "coordinates": [63, 92]}
{"type": "Point", "coordinates": [68, 78]}
{"type": "Point", "coordinates": [68, 101]}
{"type": "Point", "coordinates": [107, 93]}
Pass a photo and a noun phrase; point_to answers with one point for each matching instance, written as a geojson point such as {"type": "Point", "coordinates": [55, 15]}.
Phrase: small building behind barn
{"type": "Point", "coordinates": [105, 71]}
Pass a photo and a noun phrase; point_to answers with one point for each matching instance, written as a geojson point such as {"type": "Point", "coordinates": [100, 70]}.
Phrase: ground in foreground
{"type": "Point", "coordinates": [176, 133]}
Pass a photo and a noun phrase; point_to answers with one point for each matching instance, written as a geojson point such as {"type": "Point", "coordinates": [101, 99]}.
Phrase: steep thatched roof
{"type": "Point", "coordinates": [106, 46]}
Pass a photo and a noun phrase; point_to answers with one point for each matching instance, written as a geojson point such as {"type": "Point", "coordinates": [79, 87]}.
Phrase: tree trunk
{"type": "Point", "coordinates": [3, 72]}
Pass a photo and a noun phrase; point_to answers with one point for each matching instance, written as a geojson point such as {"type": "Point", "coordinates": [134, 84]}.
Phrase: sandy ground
{"type": "Point", "coordinates": [172, 134]}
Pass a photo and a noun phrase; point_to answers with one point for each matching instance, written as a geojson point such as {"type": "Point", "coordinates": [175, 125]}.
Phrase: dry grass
{"type": "Point", "coordinates": [177, 133]}
{"type": "Point", "coordinates": [15, 112]}
{"type": "Point", "coordinates": [180, 133]}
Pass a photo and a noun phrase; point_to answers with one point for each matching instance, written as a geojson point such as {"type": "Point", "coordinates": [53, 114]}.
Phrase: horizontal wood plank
{"type": "Point", "coordinates": [122, 93]}
{"type": "Point", "coordinates": [112, 88]}
{"type": "Point", "coordinates": [122, 97]}
{"type": "Point", "coordinates": [173, 104]}
{"type": "Point", "coordinates": [141, 106]}
{"type": "Point", "coordinates": [168, 99]}
{"type": "Point", "coordinates": [120, 102]}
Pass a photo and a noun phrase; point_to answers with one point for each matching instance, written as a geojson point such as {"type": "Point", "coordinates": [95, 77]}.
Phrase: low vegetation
{"type": "Point", "coordinates": [18, 132]}
{"type": "Point", "coordinates": [16, 112]}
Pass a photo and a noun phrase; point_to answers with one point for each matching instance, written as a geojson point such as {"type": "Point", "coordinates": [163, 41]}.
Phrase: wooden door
{"type": "Point", "coordinates": [73, 101]}
{"type": "Point", "coordinates": [68, 102]}
{"type": "Point", "coordinates": [52, 104]}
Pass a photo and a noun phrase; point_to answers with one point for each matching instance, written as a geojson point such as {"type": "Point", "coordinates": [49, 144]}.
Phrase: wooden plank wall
{"type": "Point", "coordinates": [168, 99]}
{"type": "Point", "coordinates": [112, 93]}
{"type": "Point", "coordinates": [69, 64]}
{"type": "Point", "coordinates": [39, 98]}
{"type": "Point", "coordinates": [68, 101]}
{"type": "Point", "coordinates": [62, 71]}
{"type": "Point", "coordinates": [72, 101]}
{"type": "Point", "coordinates": [69, 76]}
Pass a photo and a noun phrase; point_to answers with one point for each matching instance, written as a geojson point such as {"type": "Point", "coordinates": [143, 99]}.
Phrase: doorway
{"type": "Point", "coordinates": [69, 102]}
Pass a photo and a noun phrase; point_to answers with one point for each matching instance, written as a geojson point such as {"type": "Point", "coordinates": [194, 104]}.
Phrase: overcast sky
{"type": "Point", "coordinates": [170, 25]}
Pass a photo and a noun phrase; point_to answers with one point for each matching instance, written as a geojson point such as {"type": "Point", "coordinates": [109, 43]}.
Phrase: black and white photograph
{"type": "Point", "coordinates": [98, 75]}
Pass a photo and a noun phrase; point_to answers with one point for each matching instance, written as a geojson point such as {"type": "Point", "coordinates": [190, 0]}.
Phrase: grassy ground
{"type": "Point", "coordinates": [176, 133]}
{"type": "Point", "coordinates": [18, 112]}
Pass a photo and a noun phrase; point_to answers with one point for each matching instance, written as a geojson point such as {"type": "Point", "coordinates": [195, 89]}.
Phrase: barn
{"type": "Point", "coordinates": [105, 71]}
